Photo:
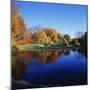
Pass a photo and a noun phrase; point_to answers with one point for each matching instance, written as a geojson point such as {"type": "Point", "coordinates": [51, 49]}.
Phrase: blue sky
{"type": "Point", "coordinates": [64, 18]}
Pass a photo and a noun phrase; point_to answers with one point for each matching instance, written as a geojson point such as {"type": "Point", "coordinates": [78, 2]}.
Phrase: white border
{"type": "Point", "coordinates": [61, 1]}
{"type": "Point", "coordinates": [5, 44]}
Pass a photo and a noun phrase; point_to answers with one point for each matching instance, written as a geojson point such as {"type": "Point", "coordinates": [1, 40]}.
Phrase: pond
{"type": "Point", "coordinates": [42, 68]}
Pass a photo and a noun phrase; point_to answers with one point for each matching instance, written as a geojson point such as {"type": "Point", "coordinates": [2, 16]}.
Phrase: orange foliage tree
{"type": "Point", "coordinates": [20, 33]}
{"type": "Point", "coordinates": [52, 35]}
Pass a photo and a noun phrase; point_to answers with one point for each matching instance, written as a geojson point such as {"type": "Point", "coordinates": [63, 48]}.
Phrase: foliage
{"type": "Point", "coordinates": [51, 34]}
{"type": "Point", "coordinates": [21, 35]}
{"type": "Point", "coordinates": [40, 37]}
{"type": "Point", "coordinates": [83, 40]}
{"type": "Point", "coordinates": [67, 37]}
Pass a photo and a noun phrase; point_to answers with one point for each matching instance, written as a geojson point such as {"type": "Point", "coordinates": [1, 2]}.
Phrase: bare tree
{"type": "Point", "coordinates": [36, 28]}
{"type": "Point", "coordinates": [79, 34]}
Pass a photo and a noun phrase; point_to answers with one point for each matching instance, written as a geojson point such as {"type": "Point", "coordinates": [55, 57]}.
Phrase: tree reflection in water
{"type": "Point", "coordinates": [20, 60]}
{"type": "Point", "coordinates": [66, 52]}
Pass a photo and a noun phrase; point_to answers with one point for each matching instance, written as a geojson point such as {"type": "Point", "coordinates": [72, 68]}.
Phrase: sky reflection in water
{"type": "Point", "coordinates": [50, 67]}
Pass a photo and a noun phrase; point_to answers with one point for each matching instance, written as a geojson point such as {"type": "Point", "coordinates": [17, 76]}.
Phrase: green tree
{"type": "Point", "coordinates": [62, 40]}
{"type": "Point", "coordinates": [67, 37]}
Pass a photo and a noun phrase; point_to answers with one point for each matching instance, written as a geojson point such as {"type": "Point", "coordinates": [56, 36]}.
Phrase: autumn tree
{"type": "Point", "coordinates": [60, 37]}
{"type": "Point", "coordinates": [40, 37]}
{"type": "Point", "coordinates": [52, 35]}
{"type": "Point", "coordinates": [20, 33]}
{"type": "Point", "coordinates": [62, 40]}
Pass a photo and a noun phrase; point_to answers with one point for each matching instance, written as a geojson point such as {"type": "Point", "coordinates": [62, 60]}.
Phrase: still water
{"type": "Point", "coordinates": [39, 68]}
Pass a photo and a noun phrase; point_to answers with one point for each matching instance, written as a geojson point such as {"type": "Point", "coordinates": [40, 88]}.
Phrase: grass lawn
{"type": "Point", "coordinates": [41, 47]}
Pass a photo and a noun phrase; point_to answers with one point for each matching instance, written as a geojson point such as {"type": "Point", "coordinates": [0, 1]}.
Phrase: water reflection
{"type": "Point", "coordinates": [66, 52]}
{"type": "Point", "coordinates": [22, 61]}
{"type": "Point", "coordinates": [80, 50]}
{"type": "Point", "coordinates": [47, 56]}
